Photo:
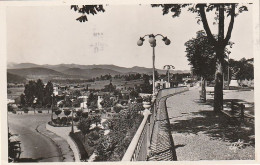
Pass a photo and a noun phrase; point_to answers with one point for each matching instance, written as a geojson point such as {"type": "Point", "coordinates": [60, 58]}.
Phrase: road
{"type": "Point", "coordinates": [35, 146]}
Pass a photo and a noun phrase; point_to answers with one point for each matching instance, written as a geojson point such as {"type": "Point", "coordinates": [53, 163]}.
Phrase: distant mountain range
{"type": "Point", "coordinates": [75, 71]}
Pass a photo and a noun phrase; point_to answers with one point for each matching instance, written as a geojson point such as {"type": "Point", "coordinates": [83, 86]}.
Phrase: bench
{"type": "Point", "coordinates": [237, 110]}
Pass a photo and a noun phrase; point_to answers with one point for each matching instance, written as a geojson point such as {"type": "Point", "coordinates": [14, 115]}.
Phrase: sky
{"type": "Point", "coordinates": [51, 35]}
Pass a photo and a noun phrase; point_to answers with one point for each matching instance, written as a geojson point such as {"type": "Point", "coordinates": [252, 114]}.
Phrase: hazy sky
{"type": "Point", "coordinates": [51, 35]}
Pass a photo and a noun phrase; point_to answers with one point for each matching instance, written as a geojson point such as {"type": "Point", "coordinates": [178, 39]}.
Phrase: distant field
{"type": "Point", "coordinates": [14, 92]}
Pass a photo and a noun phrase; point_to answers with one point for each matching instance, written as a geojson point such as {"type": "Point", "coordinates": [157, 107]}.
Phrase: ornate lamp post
{"type": "Point", "coordinates": [168, 67]}
{"type": "Point", "coordinates": [152, 42]}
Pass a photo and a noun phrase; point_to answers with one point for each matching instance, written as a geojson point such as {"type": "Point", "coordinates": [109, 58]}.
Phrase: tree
{"type": "Point", "coordinates": [48, 93]}
{"type": "Point", "coordinates": [76, 93]}
{"type": "Point", "coordinates": [39, 94]}
{"type": "Point", "coordinates": [242, 69]}
{"type": "Point", "coordinates": [134, 94]}
{"type": "Point", "coordinates": [87, 9]}
{"type": "Point", "coordinates": [96, 119]}
{"type": "Point", "coordinates": [30, 92]}
{"type": "Point", "coordinates": [67, 112]}
{"type": "Point", "coordinates": [57, 112]}
{"type": "Point", "coordinates": [84, 126]}
{"type": "Point", "coordinates": [23, 101]}
{"type": "Point", "coordinates": [67, 102]}
{"type": "Point", "coordinates": [219, 44]}
{"type": "Point", "coordinates": [92, 100]}
{"type": "Point", "coordinates": [107, 102]}
{"type": "Point", "coordinates": [109, 88]}
{"type": "Point", "coordinates": [201, 55]}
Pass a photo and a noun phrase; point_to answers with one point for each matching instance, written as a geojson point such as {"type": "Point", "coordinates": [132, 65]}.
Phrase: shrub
{"type": "Point", "coordinates": [57, 112]}
{"type": "Point", "coordinates": [147, 98]}
{"type": "Point", "coordinates": [139, 99]}
{"type": "Point", "coordinates": [39, 111]}
{"type": "Point", "coordinates": [122, 129]}
{"type": "Point", "coordinates": [64, 120]}
{"type": "Point", "coordinates": [10, 108]}
{"type": "Point", "coordinates": [25, 110]}
{"type": "Point", "coordinates": [117, 109]}
{"type": "Point", "coordinates": [85, 114]}
{"type": "Point", "coordinates": [67, 112]}
{"type": "Point", "coordinates": [76, 119]}
{"type": "Point", "coordinates": [79, 113]}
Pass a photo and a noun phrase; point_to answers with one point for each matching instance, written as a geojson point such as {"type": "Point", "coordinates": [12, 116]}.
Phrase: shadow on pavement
{"type": "Point", "coordinates": [216, 126]}
{"type": "Point", "coordinates": [226, 104]}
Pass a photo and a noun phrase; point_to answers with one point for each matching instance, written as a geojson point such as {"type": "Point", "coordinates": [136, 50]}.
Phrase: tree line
{"type": "Point", "coordinates": [36, 93]}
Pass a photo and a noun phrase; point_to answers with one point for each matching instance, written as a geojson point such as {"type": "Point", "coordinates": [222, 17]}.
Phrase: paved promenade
{"type": "Point", "coordinates": [162, 146]}
{"type": "Point", "coordinates": [201, 134]}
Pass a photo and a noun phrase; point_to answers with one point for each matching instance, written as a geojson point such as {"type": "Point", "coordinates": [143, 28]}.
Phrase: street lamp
{"type": "Point", "coordinates": [152, 42]}
{"type": "Point", "coordinates": [168, 67]}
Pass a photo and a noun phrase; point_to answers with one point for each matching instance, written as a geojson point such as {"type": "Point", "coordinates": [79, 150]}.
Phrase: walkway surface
{"type": "Point", "coordinates": [162, 145]}
{"type": "Point", "coordinates": [201, 134]}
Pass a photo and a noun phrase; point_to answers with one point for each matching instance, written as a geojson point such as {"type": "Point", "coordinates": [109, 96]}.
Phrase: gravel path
{"type": "Point", "coordinates": [201, 134]}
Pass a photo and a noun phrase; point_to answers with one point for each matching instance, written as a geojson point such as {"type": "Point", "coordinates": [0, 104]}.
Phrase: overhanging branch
{"type": "Point", "coordinates": [205, 23]}
{"type": "Point", "coordinates": [231, 24]}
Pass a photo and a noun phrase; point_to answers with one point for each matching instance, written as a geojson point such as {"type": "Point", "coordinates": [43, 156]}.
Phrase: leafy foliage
{"type": "Point", "coordinates": [57, 112]}
{"type": "Point", "coordinates": [201, 56]}
{"type": "Point", "coordinates": [96, 119]}
{"type": "Point", "coordinates": [242, 69]}
{"type": "Point", "coordinates": [107, 102]}
{"type": "Point", "coordinates": [37, 91]}
{"type": "Point", "coordinates": [86, 10]}
{"type": "Point", "coordinates": [109, 88]}
{"type": "Point", "coordinates": [67, 112]}
{"type": "Point", "coordinates": [122, 129]}
{"type": "Point", "coordinates": [84, 126]}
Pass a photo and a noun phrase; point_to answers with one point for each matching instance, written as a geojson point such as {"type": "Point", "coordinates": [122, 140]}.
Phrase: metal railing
{"type": "Point", "coordinates": [139, 148]}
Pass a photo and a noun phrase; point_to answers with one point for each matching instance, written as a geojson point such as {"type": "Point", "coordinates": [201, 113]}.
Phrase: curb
{"type": "Point", "coordinates": [70, 142]}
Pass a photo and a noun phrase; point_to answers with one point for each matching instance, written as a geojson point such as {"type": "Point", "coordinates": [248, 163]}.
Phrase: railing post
{"type": "Point", "coordinates": [148, 136]}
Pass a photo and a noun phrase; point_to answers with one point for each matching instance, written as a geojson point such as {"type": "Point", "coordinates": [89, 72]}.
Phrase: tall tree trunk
{"type": "Point", "coordinates": [218, 89]}
{"type": "Point", "coordinates": [219, 47]}
{"type": "Point", "coordinates": [203, 89]}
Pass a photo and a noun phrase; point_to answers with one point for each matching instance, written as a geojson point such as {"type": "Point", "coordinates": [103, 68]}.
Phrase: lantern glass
{"type": "Point", "coordinates": [139, 42]}
{"type": "Point", "coordinates": [152, 40]}
{"type": "Point", "coordinates": [167, 41]}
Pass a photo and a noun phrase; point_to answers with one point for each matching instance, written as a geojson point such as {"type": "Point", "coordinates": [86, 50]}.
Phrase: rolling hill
{"type": "Point", "coordinates": [90, 73]}
{"type": "Point", "coordinates": [12, 78]}
{"type": "Point", "coordinates": [30, 70]}
{"type": "Point", "coordinates": [35, 72]}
